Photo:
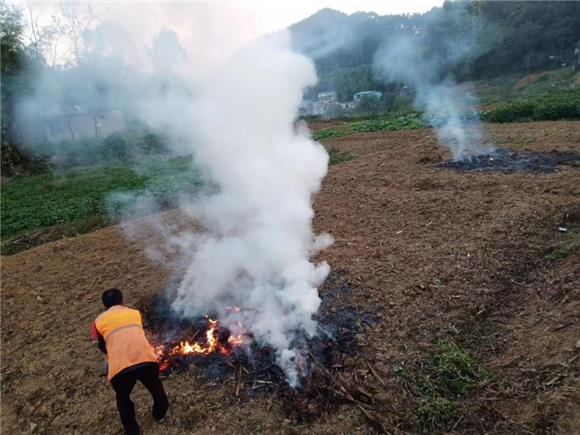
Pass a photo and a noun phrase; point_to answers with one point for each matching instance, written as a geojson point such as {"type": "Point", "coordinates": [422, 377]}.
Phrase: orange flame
{"type": "Point", "coordinates": [237, 339]}
{"type": "Point", "coordinates": [212, 344]}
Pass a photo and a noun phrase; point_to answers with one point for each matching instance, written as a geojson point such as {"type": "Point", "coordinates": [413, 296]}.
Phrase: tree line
{"type": "Point", "coordinates": [504, 37]}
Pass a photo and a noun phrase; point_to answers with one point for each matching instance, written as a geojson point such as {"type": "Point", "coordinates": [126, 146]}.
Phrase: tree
{"type": "Point", "coordinates": [74, 21]}
{"type": "Point", "coordinates": [16, 75]}
{"type": "Point", "coordinates": [42, 39]}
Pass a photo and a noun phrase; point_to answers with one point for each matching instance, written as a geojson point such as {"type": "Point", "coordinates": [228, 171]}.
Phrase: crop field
{"type": "Point", "coordinates": [389, 122]}
{"type": "Point", "coordinates": [82, 199]}
{"type": "Point", "coordinates": [468, 281]}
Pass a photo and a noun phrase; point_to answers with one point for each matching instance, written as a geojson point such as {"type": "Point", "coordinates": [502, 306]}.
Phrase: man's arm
{"type": "Point", "coordinates": [100, 340]}
{"type": "Point", "coordinates": [101, 343]}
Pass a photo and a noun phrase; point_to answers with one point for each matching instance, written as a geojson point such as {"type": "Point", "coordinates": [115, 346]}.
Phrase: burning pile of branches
{"type": "Point", "coordinates": [236, 358]}
{"type": "Point", "coordinates": [219, 352]}
{"type": "Point", "coordinates": [214, 340]}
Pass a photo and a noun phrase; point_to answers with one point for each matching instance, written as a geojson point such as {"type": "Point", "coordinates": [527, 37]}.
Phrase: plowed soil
{"type": "Point", "coordinates": [430, 252]}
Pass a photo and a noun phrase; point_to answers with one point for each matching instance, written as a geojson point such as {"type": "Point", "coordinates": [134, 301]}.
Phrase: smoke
{"type": "Point", "coordinates": [234, 110]}
{"type": "Point", "coordinates": [255, 253]}
{"type": "Point", "coordinates": [421, 51]}
{"type": "Point", "coordinates": [424, 60]}
{"type": "Point", "coordinates": [327, 31]}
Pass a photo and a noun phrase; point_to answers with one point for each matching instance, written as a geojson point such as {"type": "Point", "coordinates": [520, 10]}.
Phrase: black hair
{"type": "Point", "coordinates": [111, 297]}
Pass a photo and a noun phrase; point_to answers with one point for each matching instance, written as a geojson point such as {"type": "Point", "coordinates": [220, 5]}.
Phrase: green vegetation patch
{"type": "Point", "coordinates": [440, 385]}
{"type": "Point", "coordinates": [70, 195]}
{"type": "Point", "coordinates": [388, 122]}
{"type": "Point", "coordinates": [545, 107]}
{"type": "Point", "coordinates": [562, 252]}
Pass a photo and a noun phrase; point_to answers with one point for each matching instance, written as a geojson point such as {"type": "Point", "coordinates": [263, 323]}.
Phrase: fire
{"type": "Point", "coordinates": [212, 343]}
{"type": "Point", "coordinates": [238, 338]}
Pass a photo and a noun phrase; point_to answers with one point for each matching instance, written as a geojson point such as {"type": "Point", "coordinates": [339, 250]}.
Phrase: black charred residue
{"type": "Point", "coordinates": [338, 322]}
{"type": "Point", "coordinates": [503, 160]}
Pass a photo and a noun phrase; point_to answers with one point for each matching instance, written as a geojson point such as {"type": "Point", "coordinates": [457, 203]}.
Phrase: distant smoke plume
{"type": "Point", "coordinates": [419, 51]}
{"type": "Point", "coordinates": [447, 106]}
{"type": "Point", "coordinates": [424, 60]}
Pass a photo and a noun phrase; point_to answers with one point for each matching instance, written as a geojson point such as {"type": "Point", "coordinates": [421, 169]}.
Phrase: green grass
{"type": "Point", "coordinates": [385, 122]}
{"type": "Point", "coordinates": [457, 371]}
{"type": "Point", "coordinates": [565, 249]}
{"type": "Point", "coordinates": [74, 195]}
{"type": "Point", "coordinates": [434, 415]}
{"type": "Point", "coordinates": [440, 386]}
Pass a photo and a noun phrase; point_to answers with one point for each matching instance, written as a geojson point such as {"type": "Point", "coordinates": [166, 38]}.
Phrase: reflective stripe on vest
{"type": "Point", "coordinates": [125, 339]}
{"type": "Point", "coordinates": [115, 317]}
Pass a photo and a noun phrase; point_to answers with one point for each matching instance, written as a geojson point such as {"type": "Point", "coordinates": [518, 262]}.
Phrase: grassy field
{"type": "Point", "coordinates": [506, 88]}
{"type": "Point", "coordinates": [71, 195]}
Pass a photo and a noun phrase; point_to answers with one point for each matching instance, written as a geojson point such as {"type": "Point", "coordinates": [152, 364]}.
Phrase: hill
{"type": "Point", "coordinates": [503, 37]}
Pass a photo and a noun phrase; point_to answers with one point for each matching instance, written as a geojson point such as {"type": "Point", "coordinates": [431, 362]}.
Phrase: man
{"type": "Point", "coordinates": [130, 357]}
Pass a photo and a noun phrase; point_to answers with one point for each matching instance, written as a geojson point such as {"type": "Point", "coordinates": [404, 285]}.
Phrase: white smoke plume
{"type": "Point", "coordinates": [255, 253]}
{"type": "Point", "coordinates": [448, 107]}
{"type": "Point", "coordinates": [232, 105]}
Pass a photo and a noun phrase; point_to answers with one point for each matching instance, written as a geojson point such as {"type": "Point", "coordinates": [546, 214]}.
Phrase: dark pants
{"type": "Point", "coordinates": [123, 384]}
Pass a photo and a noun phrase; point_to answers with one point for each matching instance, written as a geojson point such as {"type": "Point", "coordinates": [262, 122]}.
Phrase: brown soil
{"type": "Point", "coordinates": [432, 253]}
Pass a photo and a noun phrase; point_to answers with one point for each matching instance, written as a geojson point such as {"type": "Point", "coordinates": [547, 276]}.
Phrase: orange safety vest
{"type": "Point", "coordinates": [122, 329]}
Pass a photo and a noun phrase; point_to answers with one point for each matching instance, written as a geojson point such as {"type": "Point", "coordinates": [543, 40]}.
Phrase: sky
{"type": "Point", "coordinates": [212, 29]}
{"type": "Point", "coordinates": [276, 15]}
{"type": "Point", "coordinates": [269, 15]}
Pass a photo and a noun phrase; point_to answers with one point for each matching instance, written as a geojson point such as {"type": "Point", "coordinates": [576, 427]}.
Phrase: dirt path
{"type": "Point", "coordinates": [432, 253]}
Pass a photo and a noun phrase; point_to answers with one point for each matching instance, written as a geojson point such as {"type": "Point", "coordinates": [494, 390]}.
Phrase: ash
{"type": "Point", "coordinates": [509, 161]}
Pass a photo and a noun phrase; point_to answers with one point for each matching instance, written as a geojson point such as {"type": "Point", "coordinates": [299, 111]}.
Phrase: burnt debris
{"type": "Point", "coordinates": [504, 160]}
{"type": "Point", "coordinates": [254, 364]}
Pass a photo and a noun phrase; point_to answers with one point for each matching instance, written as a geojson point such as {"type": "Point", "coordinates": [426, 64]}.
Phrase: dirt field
{"type": "Point", "coordinates": [433, 254]}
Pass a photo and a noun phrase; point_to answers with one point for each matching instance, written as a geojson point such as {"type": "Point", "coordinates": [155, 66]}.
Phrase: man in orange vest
{"type": "Point", "coordinates": [130, 357]}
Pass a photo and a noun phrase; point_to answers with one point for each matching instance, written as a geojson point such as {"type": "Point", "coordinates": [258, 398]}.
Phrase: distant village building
{"type": "Point", "coordinates": [323, 102]}
{"type": "Point", "coordinates": [327, 97]}
{"type": "Point", "coordinates": [327, 104]}
{"type": "Point", "coordinates": [359, 96]}
{"type": "Point", "coordinates": [83, 124]}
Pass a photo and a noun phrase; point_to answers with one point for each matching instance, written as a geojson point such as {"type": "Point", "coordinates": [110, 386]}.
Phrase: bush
{"type": "Point", "coordinates": [547, 107]}
{"type": "Point", "coordinates": [115, 148]}
{"type": "Point", "coordinates": [152, 144]}
{"type": "Point", "coordinates": [337, 156]}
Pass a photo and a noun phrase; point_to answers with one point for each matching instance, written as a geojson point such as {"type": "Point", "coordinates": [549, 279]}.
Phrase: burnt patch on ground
{"type": "Point", "coordinates": [251, 369]}
{"type": "Point", "coordinates": [504, 160]}
{"type": "Point", "coordinates": [339, 322]}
